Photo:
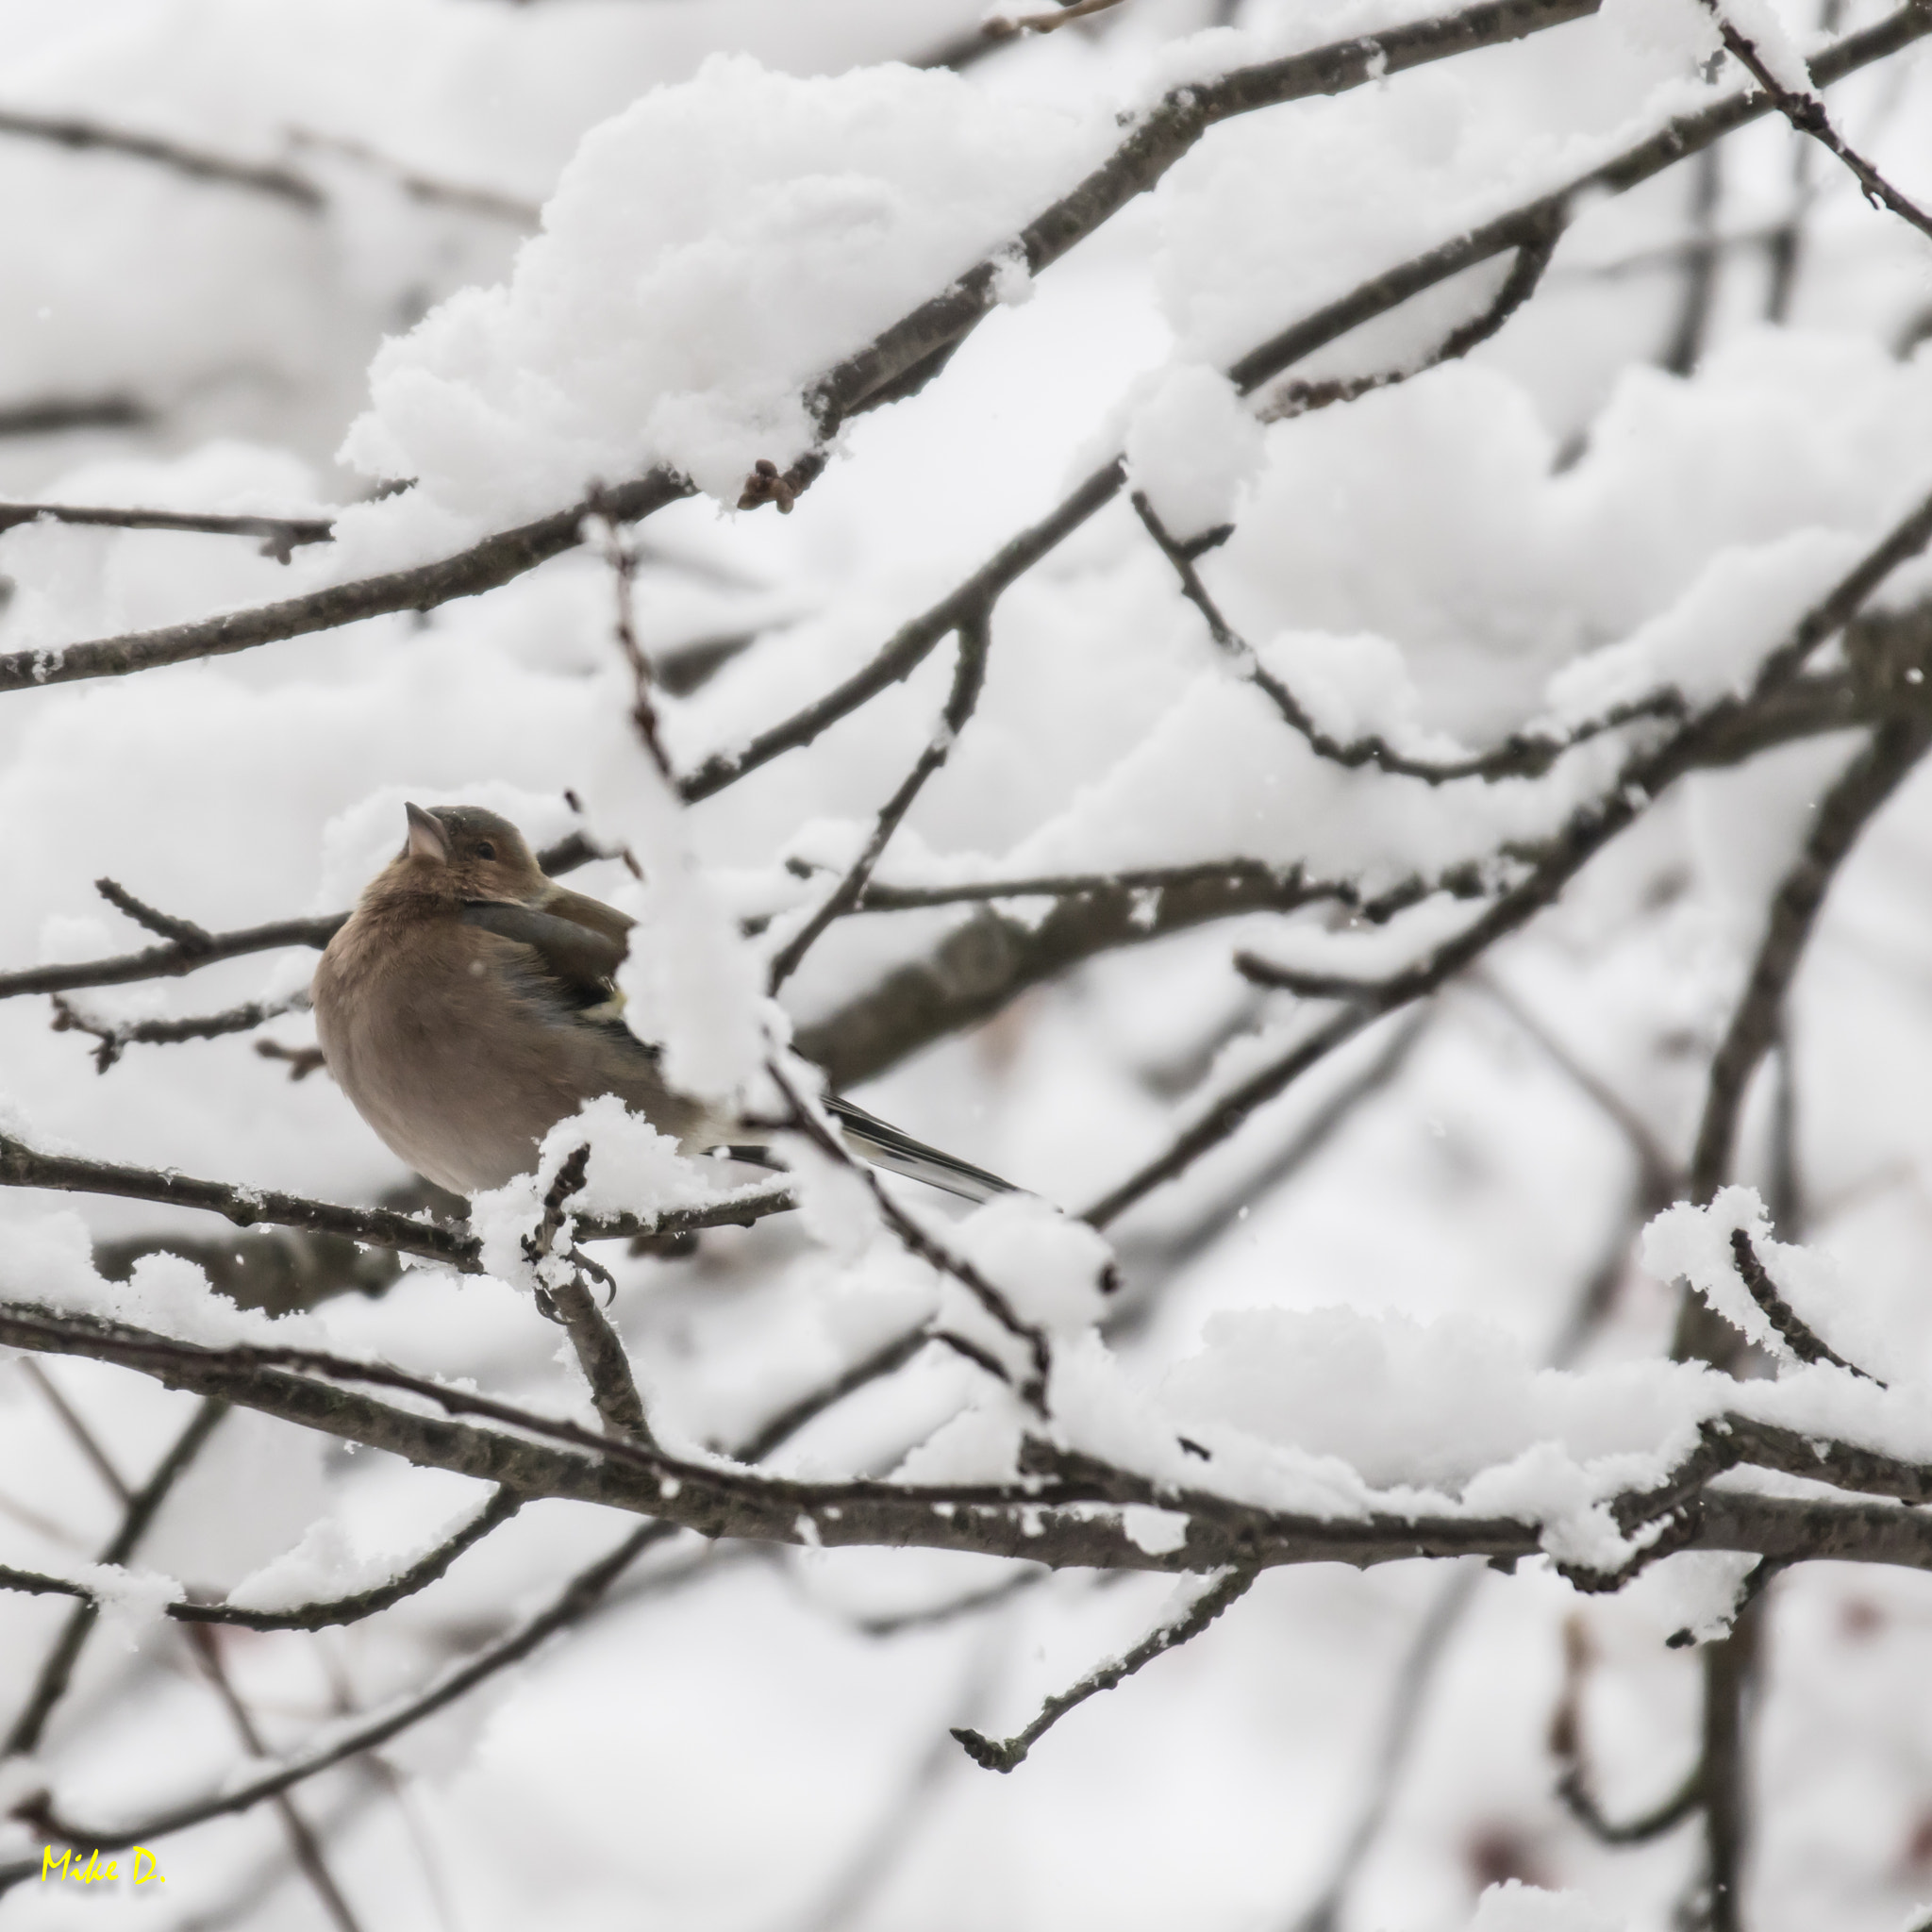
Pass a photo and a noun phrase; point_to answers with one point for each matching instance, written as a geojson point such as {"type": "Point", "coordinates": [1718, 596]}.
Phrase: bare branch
{"type": "Point", "coordinates": [1031, 1388]}
{"type": "Point", "coordinates": [194, 164]}
{"type": "Point", "coordinates": [190, 947]}
{"type": "Point", "coordinates": [968, 679]}
{"type": "Point", "coordinates": [54, 415]}
{"type": "Point", "coordinates": [115, 1036]}
{"type": "Point", "coordinates": [56, 1672]}
{"type": "Point", "coordinates": [1005, 1754]}
{"type": "Point", "coordinates": [280, 536]}
{"type": "Point", "coordinates": [431, 190]}
{"type": "Point", "coordinates": [1572, 1785]}
{"type": "Point", "coordinates": [1862, 789]}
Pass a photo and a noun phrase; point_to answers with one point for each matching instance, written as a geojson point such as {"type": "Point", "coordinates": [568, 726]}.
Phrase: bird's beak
{"type": "Point", "coordinates": [427, 839]}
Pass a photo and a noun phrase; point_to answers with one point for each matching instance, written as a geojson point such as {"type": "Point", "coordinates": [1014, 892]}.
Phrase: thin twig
{"type": "Point", "coordinates": [1532, 258]}
{"type": "Point", "coordinates": [115, 1036]}
{"type": "Point", "coordinates": [329, 1612]}
{"type": "Point", "coordinates": [303, 1844]}
{"type": "Point", "coordinates": [1004, 26]}
{"type": "Point", "coordinates": [1031, 1386]}
{"type": "Point", "coordinates": [1005, 1754]}
{"type": "Point", "coordinates": [599, 1353]}
{"type": "Point", "coordinates": [194, 164]}
{"type": "Point", "coordinates": [1519, 756]}
{"type": "Point", "coordinates": [50, 1685]}
{"type": "Point", "coordinates": [84, 1438]}
{"type": "Point", "coordinates": [623, 559]}
{"type": "Point", "coordinates": [190, 947]}
{"type": "Point", "coordinates": [968, 679]}
{"type": "Point", "coordinates": [21, 1166]}
{"type": "Point", "coordinates": [1856, 797]}
{"type": "Point", "coordinates": [280, 536]}
{"type": "Point", "coordinates": [1806, 113]}
{"type": "Point", "coordinates": [1793, 1330]}
{"type": "Point", "coordinates": [55, 415]}
{"type": "Point", "coordinates": [431, 190]}
{"type": "Point", "coordinates": [1573, 1784]}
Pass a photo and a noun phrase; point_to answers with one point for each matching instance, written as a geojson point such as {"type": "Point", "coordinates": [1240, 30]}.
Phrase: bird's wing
{"type": "Point", "coordinates": [581, 961]}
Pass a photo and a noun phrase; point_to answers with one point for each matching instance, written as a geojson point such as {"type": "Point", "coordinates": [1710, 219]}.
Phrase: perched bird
{"type": "Point", "coordinates": [469, 1004]}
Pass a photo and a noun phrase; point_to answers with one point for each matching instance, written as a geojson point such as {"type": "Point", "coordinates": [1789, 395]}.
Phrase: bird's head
{"type": "Point", "coordinates": [458, 852]}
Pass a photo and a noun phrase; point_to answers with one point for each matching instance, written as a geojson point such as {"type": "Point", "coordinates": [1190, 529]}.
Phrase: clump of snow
{"type": "Point", "coordinates": [834, 1202]}
{"type": "Point", "coordinates": [633, 1168]}
{"type": "Point", "coordinates": [46, 1260]}
{"type": "Point", "coordinates": [1406, 1402]}
{"type": "Point", "coordinates": [706, 255]}
{"type": "Point", "coordinates": [1685, 31]}
{"type": "Point", "coordinates": [690, 983]}
{"type": "Point", "coordinates": [131, 1602]}
{"type": "Point", "coordinates": [1192, 446]}
{"type": "Point", "coordinates": [1687, 1243]}
{"type": "Point", "coordinates": [1757, 22]}
{"type": "Point", "coordinates": [1695, 1590]}
{"type": "Point", "coordinates": [1050, 1266]}
{"type": "Point", "coordinates": [1353, 686]}
{"type": "Point", "coordinates": [1693, 1244]}
{"type": "Point", "coordinates": [1157, 1531]}
{"type": "Point", "coordinates": [1710, 643]}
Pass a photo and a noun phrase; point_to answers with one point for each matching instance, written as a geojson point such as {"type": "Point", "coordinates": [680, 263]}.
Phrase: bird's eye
{"type": "Point", "coordinates": [486, 850]}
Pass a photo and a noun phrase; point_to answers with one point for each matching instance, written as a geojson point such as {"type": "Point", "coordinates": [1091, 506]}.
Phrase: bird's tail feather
{"type": "Point", "coordinates": [885, 1146]}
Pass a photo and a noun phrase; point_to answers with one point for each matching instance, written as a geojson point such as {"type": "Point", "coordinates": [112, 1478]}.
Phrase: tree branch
{"type": "Point", "coordinates": [1857, 796]}
{"type": "Point", "coordinates": [21, 1166]}
{"type": "Point", "coordinates": [281, 536]}
{"type": "Point", "coordinates": [1795, 1333]}
{"type": "Point", "coordinates": [1806, 113]}
{"type": "Point", "coordinates": [1644, 778]}
{"type": "Point", "coordinates": [50, 1686]}
{"type": "Point", "coordinates": [193, 164]}
{"type": "Point", "coordinates": [968, 679]}
{"type": "Point", "coordinates": [190, 947]}
{"type": "Point", "coordinates": [1005, 1754]}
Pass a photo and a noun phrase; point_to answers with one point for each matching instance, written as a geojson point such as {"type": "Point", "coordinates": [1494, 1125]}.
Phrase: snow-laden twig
{"type": "Point", "coordinates": [24, 1166]}
{"type": "Point", "coordinates": [1556, 860]}
{"type": "Point", "coordinates": [1806, 113]}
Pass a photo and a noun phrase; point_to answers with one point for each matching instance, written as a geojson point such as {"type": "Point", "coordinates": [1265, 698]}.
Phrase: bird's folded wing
{"type": "Point", "coordinates": [582, 962]}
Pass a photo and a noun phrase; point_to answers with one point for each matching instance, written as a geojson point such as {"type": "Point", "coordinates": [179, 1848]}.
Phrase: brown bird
{"type": "Point", "coordinates": [469, 1004]}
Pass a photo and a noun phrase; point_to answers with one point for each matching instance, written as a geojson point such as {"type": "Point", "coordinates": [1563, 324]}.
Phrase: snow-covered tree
{"type": "Point", "coordinates": [1303, 629]}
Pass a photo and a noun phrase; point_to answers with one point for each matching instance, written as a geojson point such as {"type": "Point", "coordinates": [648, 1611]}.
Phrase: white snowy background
{"type": "Point", "coordinates": [734, 194]}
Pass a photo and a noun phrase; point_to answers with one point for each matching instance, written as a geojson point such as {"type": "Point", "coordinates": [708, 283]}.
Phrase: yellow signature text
{"type": "Point", "coordinates": [92, 1869]}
